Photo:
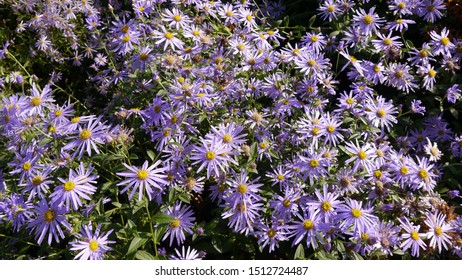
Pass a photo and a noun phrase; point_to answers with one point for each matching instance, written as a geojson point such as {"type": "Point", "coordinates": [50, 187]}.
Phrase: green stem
{"type": "Point", "coordinates": [152, 229]}
{"type": "Point", "coordinates": [19, 63]}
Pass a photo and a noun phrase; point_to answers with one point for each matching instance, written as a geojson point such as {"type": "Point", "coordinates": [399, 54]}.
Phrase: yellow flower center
{"type": "Point", "coordinates": [248, 17]}
{"type": "Point", "coordinates": [242, 189]}
{"type": "Point", "coordinates": [423, 174]}
{"type": "Point", "coordinates": [142, 174]}
{"type": "Point", "coordinates": [35, 101]}
{"type": "Point", "coordinates": [37, 180]}
{"type": "Point", "coordinates": [423, 53]}
{"type": "Point", "coordinates": [415, 235]}
{"type": "Point", "coordinates": [376, 68]}
{"type": "Point", "coordinates": [168, 36]}
{"type": "Point", "coordinates": [177, 18]}
{"type": "Point", "coordinates": [399, 74]}
{"type": "Point", "coordinates": [286, 203]}
{"type": "Point", "coordinates": [271, 233]}
{"type": "Point", "coordinates": [94, 245]}
{"type": "Point", "coordinates": [210, 155]}
{"type": "Point", "coordinates": [314, 163]}
{"type": "Point", "coordinates": [368, 19]}
{"type": "Point", "coordinates": [431, 73]}
{"type": "Point", "coordinates": [227, 138]}
{"type": "Point", "coordinates": [263, 145]}
{"type": "Point", "coordinates": [330, 128]}
{"type": "Point", "coordinates": [311, 63]}
{"type": "Point", "coordinates": [143, 56]}
{"type": "Point", "coordinates": [58, 113]}
{"type": "Point", "coordinates": [330, 8]}
{"type": "Point", "coordinates": [26, 166]}
{"type": "Point", "coordinates": [314, 39]}
{"type": "Point", "coordinates": [125, 29]}
{"type": "Point", "coordinates": [445, 41]}
{"type": "Point", "coordinates": [378, 174]}
{"type": "Point", "coordinates": [387, 41]}
{"type": "Point", "coordinates": [350, 101]}
{"type": "Point", "coordinates": [356, 213]}
{"type": "Point", "coordinates": [308, 224]}
{"type": "Point", "coordinates": [280, 177]}
{"type": "Point", "coordinates": [126, 38]}
{"type": "Point", "coordinates": [438, 231]}
{"type": "Point", "coordinates": [49, 216]}
{"type": "Point", "coordinates": [175, 223]}
{"type": "Point", "coordinates": [401, 5]}
{"type": "Point", "coordinates": [315, 131]}
{"type": "Point", "coordinates": [229, 13]}
{"type": "Point", "coordinates": [69, 186]}
{"type": "Point", "coordinates": [85, 134]}
{"type": "Point", "coordinates": [404, 170]}
{"type": "Point", "coordinates": [381, 113]}
{"type": "Point", "coordinates": [75, 119]}
{"type": "Point", "coordinates": [362, 155]}
{"type": "Point", "coordinates": [326, 206]}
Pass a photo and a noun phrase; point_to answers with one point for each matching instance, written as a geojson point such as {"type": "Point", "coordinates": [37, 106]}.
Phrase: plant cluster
{"type": "Point", "coordinates": [190, 129]}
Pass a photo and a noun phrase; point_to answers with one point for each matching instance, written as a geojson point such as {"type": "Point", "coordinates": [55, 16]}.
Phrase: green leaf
{"type": "Point", "coordinates": [151, 155]}
{"type": "Point", "coordinates": [299, 253]}
{"type": "Point", "coordinates": [311, 21]}
{"type": "Point", "coordinates": [162, 219]}
{"type": "Point", "coordinates": [143, 255]}
{"type": "Point", "coordinates": [135, 244]}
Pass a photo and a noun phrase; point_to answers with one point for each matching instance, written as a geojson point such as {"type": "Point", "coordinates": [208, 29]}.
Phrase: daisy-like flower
{"type": "Point", "coordinates": [213, 155]}
{"type": "Point", "coordinates": [429, 74]}
{"type": "Point", "coordinates": [401, 7]}
{"type": "Point", "coordinates": [327, 203]}
{"type": "Point", "coordinates": [188, 254]}
{"type": "Point", "coordinates": [247, 17]}
{"type": "Point", "coordinates": [432, 150]}
{"type": "Point", "coordinates": [227, 13]}
{"type": "Point", "coordinates": [48, 219]}
{"type": "Point", "coordinates": [413, 239]}
{"type": "Point", "coordinates": [230, 134]}
{"type": "Point", "coordinates": [380, 113]}
{"type": "Point", "coordinates": [423, 176]}
{"type": "Point", "coordinates": [362, 156]}
{"type": "Point", "coordinates": [441, 44]}
{"type": "Point", "coordinates": [368, 23]}
{"type": "Point", "coordinates": [398, 76]}
{"type": "Point", "coordinates": [87, 137]}
{"type": "Point", "coordinates": [438, 231]}
{"type": "Point", "coordinates": [284, 207]}
{"type": "Point", "coordinates": [77, 186]}
{"type": "Point", "coordinates": [182, 222]}
{"type": "Point", "coordinates": [306, 226]}
{"type": "Point", "coordinates": [39, 100]}
{"type": "Point", "coordinates": [92, 245]}
{"type": "Point", "coordinates": [353, 214]}
{"type": "Point", "coordinates": [168, 39]}
{"type": "Point", "coordinates": [144, 179]}
{"type": "Point", "coordinates": [176, 18]}
{"type": "Point", "coordinates": [329, 10]}
{"type": "Point", "coordinates": [430, 10]}
{"type": "Point", "coordinates": [271, 235]}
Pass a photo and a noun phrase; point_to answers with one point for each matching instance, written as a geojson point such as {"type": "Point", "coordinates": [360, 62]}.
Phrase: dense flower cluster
{"type": "Point", "coordinates": [210, 123]}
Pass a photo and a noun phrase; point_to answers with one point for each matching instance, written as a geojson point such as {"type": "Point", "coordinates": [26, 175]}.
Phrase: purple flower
{"type": "Point", "coordinates": [353, 214]}
{"type": "Point", "coordinates": [92, 245]}
{"type": "Point", "coordinates": [183, 222]}
{"type": "Point", "coordinates": [144, 178]}
{"type": "Point", "coordinates": [306, 226]}
{"type": "Point", "coordinates": [49, 217]}
{"type": "Point", "coordinates": [412, 237]}
{"type": "Point", "coordinates": [213, 155]}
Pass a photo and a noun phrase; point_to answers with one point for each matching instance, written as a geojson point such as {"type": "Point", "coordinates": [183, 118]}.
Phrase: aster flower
{"type": "Point", "coordinates": [92, 245]}
{"type": "Point", "coordinates": [416, 107]}
{"type": "Point", "coordinates": [438, 231]}
{"type": "Point", "coordinates": [182, 222]}
{"type": "Point", "coordinates": [430, 10]}
{"type": "Point", "coordinates": [169, 39]}
{"type": "Point", "coordinates": [39, 100]}
{"type": "Point", "coordinates": [48, 218]}
{"type": "Point", "coordinates": [453, 93]}
{"type": "Point", "coordinates": [213, 156]}
{"type": "Point", "coordinates": [306, 226]}
{"type": "Point", "coordinates": [423, 176]}
{"type": "Point", "coordinates": [380, 113]}
{"type": "Point", "coordinates": [362, 156]}
{"type": "Point", "coordinates": [441, 44]}
{"type": "Point", "coordinates": [144, 179]}
{"type": "Point", "coordinates": [13, 208]}
{"type": "Point", "coordinates": [284, 207]}
{"type": "Point", "coordinates": [368, 22]}
{"type": "Point", "coordinates": [432, 151]}
{"type": "Point", "coordinates": [329, 10]}
{"type": "Point", "coordinates": [353, 214]}
{"type": "Point", "coordinates": [327, 203]}
{"type": "Point", "coordinates": [77, 186]}
{"type": "Point", "coordinates": [412, 237]}
{"type": "Point", "coordinates": [243, 216]}
{"type": "Point", "coordinates": [175, 18]}
{"type": "Point", "coordinates": [271, 235]}
{"type": "Point", "coordinates": [88, 137]}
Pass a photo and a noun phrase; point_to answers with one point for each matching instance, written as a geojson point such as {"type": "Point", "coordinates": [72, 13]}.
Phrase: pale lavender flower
{"type": "Point", "coordinates": [92, 245]}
